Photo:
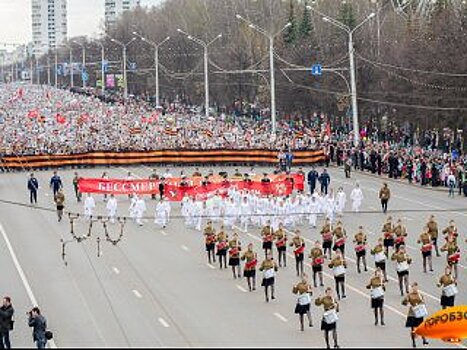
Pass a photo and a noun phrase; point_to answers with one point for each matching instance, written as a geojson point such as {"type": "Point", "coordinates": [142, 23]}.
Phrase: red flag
{"type": "Point", "coordinates": [33, 113]}
{"type": "Point", "coordinates": [60, 118]}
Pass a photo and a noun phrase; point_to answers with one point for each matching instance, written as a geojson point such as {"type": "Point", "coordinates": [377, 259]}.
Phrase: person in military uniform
{"type": "Point", "coordinates": [426, 242]}
{"type": "Point", "coordinates": [400, 232]}
{"type": "Point", "coordinates": [453, 253]}
{"type": "Point", "coordinates": [317, 261]}
{"type": "Point", "coordinates": [221, 246]}
{"type": "Point", "coordinates": [210, 241]}
{"type": "Point", "coordinates": [76, 187]}
{"type": "Point", "coordinates": [403, 261]}
{"type": "Point", "coordinates": [299, 248]}
{"type": "Point", "coordinates": [338, 265]}
{"type": "Point", "coordinates": [339, 238]}
{"type": "Point", "coordinates": [330, 307]}
{"type": "Point", "coordinates": [449, 288]}
{"type": "Point", "coordinates": [360, 248]}
{"type": "Point", "coordinates": [304, 292]}
{"type": "Point", "coordinates": [154, 176]}
{"type": "Point", "coordinates": [384, 195]}
{"type": "Point", "coordinates": [59, 201]}
{"type": "Point", "coordinates": [433, 231]}
{"type": "Point", "coordinates": [413, 300]}
{"type": "Point", "coordinates": [380, 257]}
{"type": "Point", "coordinates": [269, 268]}
{"type": "Point", "coordinates": [249, 270]}
{"type": "Point", "coordinates": [268, 236]}
{"type": "Point", "coordinates": [388, 233]}
{"type": "Point", "coordinates": [234, 255]}
{"type": "Point", "coordinates": [377, 287]}
{"type": "Point", "coordinates": [451, 231]}
{"type": "Point", "coordinates": [281, 244]}
{"type": "Point", "coordinates": [326, 233]}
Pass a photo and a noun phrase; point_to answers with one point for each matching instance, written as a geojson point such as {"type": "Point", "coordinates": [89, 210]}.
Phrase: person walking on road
{"type": "Point", "coordinates": [33, 187]}
{"type": "Point", "coordinates": [76, 187]}
{"type": "Point", "coordinates": [281, 244]}
{"type": "Point", "coordinates": [417, 312]}
{"type": "Point", "coordinates": [304, 292]}
{"type": "Point", "coordinates": [451, 184]}
{"type": "Point", "coordinates": [312, 177]}
{"type": "Point", "coordinates": [449, 288]}
{"type": "Point", "coordinates": [426, 249]}
{"type": "Point", "coordinates": [360, 240]}
{"type": "Point", "coordinates": [324, 179]}
{"type": "Point", "coordinates": [380, 257]}
{"type": "Point", "coordinates": [377, 288]}
{"type": "Point", "coordinates": [299, 248]}
{"type": "Point", "coordinates": [317, 261]}
{"type": "Point", "coordinates": [39, 327]}
{"type": "Point", "coordinates": [269, 269]}
{"type": "Point", "coordinates": [249, 270]}
{"type": "Point", "coordinates": [55, 183]}
{"type": "Point", "coordinates": [60, 202]}
{"type": "Point", "coordinates": [384, 195]}
{"type": "Point", "coordinates": [6, 322]}
{"type": "Point", "coordinates": [330, 317]}
{"type": "Point", "coordinates": [234, 255]}
{"type": "Point", "coordinates": [403, 261]}
{"type": "Point", "coordinates": [221, 247]}
{"type": "Point", "coordinates": [210, 239]}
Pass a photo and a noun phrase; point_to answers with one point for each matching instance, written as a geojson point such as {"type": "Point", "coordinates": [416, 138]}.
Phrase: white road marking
{"type": "Point", "coordinates": [117, 271]}
{"type": "Point", "coordinates": [163, 322]}
{"type": "Point", "coordinates": [241, 288]}
{"type": "Point", "coordinates": [185, 248]}
{"type": "Point", "coordinates": [22, 275]}
{"type": "Point", "coordinates": [164, 233]}
{"type": "Point", "coordinates": [280, 317]}
{"type": "Point", "coordinates": [211, 266]}
{"type": "Point", "coordinates": [137, 294]}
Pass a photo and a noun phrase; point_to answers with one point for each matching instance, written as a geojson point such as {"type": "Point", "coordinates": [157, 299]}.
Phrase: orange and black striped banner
{"type": "Point", "coordinates": [158, 157]}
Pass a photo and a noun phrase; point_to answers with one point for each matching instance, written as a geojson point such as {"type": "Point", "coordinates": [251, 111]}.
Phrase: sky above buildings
{"type": "Point", "coordinates": [85, 17]}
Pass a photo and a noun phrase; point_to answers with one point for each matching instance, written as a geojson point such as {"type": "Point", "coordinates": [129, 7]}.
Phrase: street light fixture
{"type": "Point", "coordinates": [84, 61]}
{"type": "Point", "coordinates": [156, 61]}
{"type": "Point", "coordinates": [124, 46]}
{"type": "Point", "coordinates": [351, 49]}
{"type": "Point", "coordinates": [271, 64]}
{"type": "Point", "coordinates": [206, 73]}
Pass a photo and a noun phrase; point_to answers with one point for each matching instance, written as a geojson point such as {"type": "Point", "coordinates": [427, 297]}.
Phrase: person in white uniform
{"type": "Point", "coordinates": [131, 209]}
{"type": "Point", "coordinates": [89, 205]}
{"type": "Point", "coordinates": [112, 208]}
{"type": "Point", "coordinates": [140, 208]}
{"type": "Point", "coordinates": [162, 213]}
{"type": "Point", "coordinates": [341, 199]}
{"type": "Point", "coordinates": [313, 209]}
{"type": "Point", "coordinates": [357, 197]}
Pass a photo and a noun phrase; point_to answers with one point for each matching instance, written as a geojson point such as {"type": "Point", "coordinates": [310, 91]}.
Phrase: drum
{"type": "Point", "coordinates": [380, 257]}
{"type": "Point", "coordinates": [330, 316]}
{"type": "Point", "coordinates": [450, 290]}
{"type": "Point", "coordinates": [377, 292]}
{"type": "Point", "coordinates": [420, 311]}
{"type": "Point", "coordinates": [402, 266]}
{"type": "Point", "coordinates": [304, 299]}
{"type": "Point", "coordinates": [269, 273]}
{"type": "Point", "coordinates": [338, 270]}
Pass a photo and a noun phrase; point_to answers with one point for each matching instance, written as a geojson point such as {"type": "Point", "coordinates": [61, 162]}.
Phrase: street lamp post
{"type": "Point", "coordinates": [84, 60]}
{"type": "Point", "coordinates": [206, 65]}
{"type": "Point", "coordinates": [271, 65]}
{"type": "Point", "coordinates": [156, 61]}
{"type": "Point", "coordinates": [71, 66]}
{"type": "Point", "coordinates": [353, 83]}
{"type": "Point", "coordinates": [124, 46]}
{"type": "Point", "coordinates": [102, 67]}
{"type": "Point", "coordinates": [56, 67]}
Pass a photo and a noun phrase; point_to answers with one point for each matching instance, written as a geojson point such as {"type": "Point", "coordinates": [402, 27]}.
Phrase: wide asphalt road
{"type": "Point", "coordinates": [155, 288]}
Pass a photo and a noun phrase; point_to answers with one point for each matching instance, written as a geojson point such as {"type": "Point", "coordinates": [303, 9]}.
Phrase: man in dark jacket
{"type": "Point", "coordinates": [39, 326]}
{"type": "Point", "coordinates": [325, 180]}
{"type": "Point", "coordinates": [312, 177]}
{"type": "Point", "coordinates": [33, 186]}
{"type": "Point", "coordinates": [6, 324]}
{"type": "Point", "coordinates": [55, 183]}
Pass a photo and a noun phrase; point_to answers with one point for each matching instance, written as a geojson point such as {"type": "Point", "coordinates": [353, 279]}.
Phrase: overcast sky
{"type": "Point", "coordinates": [84, 18]}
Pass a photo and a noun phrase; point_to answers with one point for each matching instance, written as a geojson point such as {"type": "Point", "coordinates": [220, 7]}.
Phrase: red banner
{"type": "Point", "coordinates": [174, 190]}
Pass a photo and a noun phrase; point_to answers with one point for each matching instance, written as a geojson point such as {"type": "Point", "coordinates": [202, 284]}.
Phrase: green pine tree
{"type": "Point", "coordinates": [290, 34]}
{"type": "Point", "coordinates": [305, 25]}
{"type": "Point", "coordinates": [347, 14]}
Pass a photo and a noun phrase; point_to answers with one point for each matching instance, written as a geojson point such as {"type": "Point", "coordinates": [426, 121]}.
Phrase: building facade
{"type": "Point", "coordinates": [49, 24]}
{"type": "Point", "coordinates": [114, 9]}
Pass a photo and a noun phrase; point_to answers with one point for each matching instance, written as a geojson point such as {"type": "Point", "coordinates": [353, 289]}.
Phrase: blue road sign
{"type": "Point", "coordinates": [132, 66]}
{"type": "Point", "coordinates": [105, 66]}
{"type": "Point", "coordinates": [84, 75]}
{"type": "Point", "coordinates": [316, 69]}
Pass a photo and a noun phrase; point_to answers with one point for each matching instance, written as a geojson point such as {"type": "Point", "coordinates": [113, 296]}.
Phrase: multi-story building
{"type": "Point", "coordinates": [49, 24]}
{"type": "Point", "coordinates": [114, 8]}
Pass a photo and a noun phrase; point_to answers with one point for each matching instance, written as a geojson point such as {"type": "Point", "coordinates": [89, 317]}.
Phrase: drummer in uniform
{"type": "Point", "coordinates": [317, 261]}
{"type": "Point", "coordinates": [329, 321]}
{"type": "Point", "coordinates": [403, 261]}
{"type": "Point", "coordinates": [326, 233]}
{"type": "Point", "coordinates": [338, 264]}
{"type": "Point", "coordinates": [281, 243]}
{"type": "Point", "coordinates": [433, 231]}
{"type": "Point", "coordinates": [400, 232]}
{"type": "Point", "coordinates": [249, 270]}
{"type": "Point", "coordinates": [449, 288]}
{"type": "Point", "coordinates": [268, 236]}
{"type": "Point", "coordinates": [269, 268]}
{"type": "Point", "coordinates": [377, 287]}
{"type": "Point", "coordinates": [380, 257]}
{"type": "Point", "coordinates": [427, 246]}
{"type": "Point", "coordinates": [234, 255]}
{"type": "Point", "coordinates": [304, 291]}
{"type": "Point", "coordinates": [415, 302]}
{"type": "Point", "coordinates": [360, 248]}
{"type": "Point", "coordinates": [299, 248]}
{"type": "Point", "coordinates": [453, 253]}
{"type": "Point", "coordinates": [222, 245]}
{"type": "Point", "coordinates": [388, 235]}
{"type": "Point", "coordinates": [210, 240]}
{"type": "Point", "coordinates": [451, 230]}
{"type": "Point", "coordinates": [339, 238]}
